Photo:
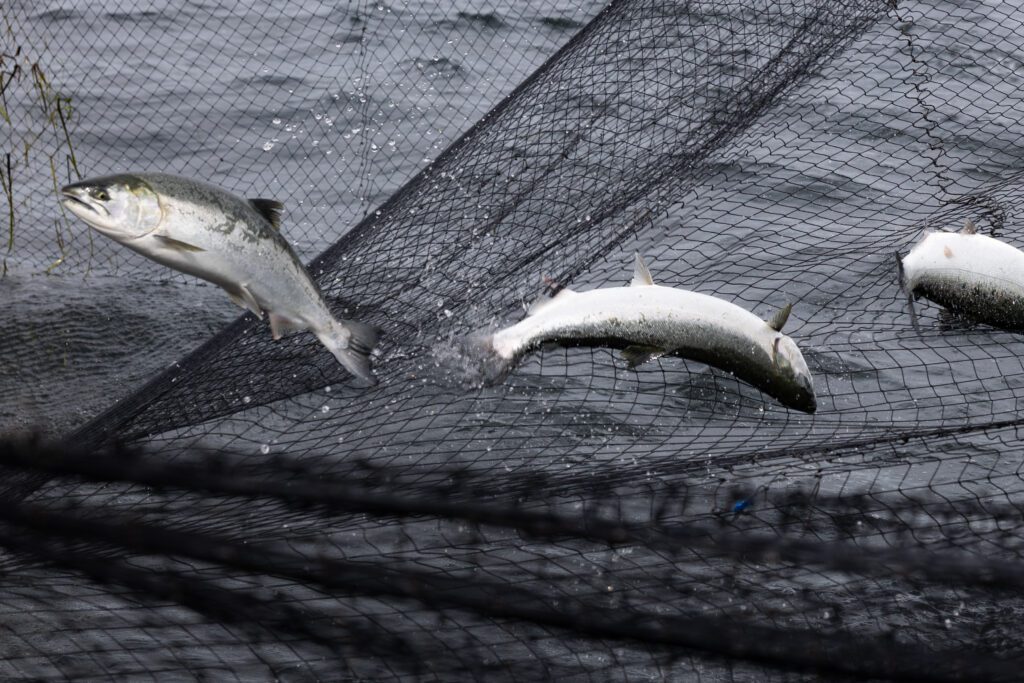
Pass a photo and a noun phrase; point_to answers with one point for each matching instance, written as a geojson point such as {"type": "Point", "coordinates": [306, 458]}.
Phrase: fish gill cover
{"type": "Point", "coordinates": [263, 515]}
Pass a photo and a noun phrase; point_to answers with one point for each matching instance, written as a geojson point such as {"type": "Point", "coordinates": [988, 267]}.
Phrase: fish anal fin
{"type": "Point", "coordinates": [947, 319]}
{"type": "Point", "coordinates": [638, 354]}
{"type": "Point", "coordinates": [281, 325]}
{"type": "Point", "coordinates": [178, 245]}
{"type": "Point", "coordinates": [778, 321]}
{"type": "Point", "coordinates": [950, 320]}
{"type": "Point", "coordinates": [969, 227]}
{"type": "Point", "coordinates": [270, 209]}
{"type": "Point", "coordinates": [641, 275]}
{"type": "Point", "coordinates": [244, 299]}
{"type": "Point", "coordinates": [543, 302]}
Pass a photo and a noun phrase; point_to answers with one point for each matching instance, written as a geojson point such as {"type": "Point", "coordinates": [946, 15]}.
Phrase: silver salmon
{"type": "Point", "coordinates": [235, 243]}
{"type": "Point", "coordinates": [972, 275]}
{"type": "Point", "coordinates": [647, 321]}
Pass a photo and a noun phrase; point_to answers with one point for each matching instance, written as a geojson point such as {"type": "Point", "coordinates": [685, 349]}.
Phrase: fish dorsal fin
{"type": "Point", "coordinates": [969, 228]}
{"type": "Point", "coordinates": [641, 276]}
{"type": "Point", "coordinates": [544, 302]}
{"type": "Point", "coordinates": [778, 321]}
{"type": "Point", "coordinates": [270, 209]}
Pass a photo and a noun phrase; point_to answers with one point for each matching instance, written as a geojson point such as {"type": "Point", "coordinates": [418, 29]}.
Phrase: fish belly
{"type": "Point", "coordinates": [987, 302]}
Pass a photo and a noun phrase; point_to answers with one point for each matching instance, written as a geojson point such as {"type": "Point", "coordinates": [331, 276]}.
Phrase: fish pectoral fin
{"type": "Point", "coordinates": [281, 325]}
{"type": "Point", "coordinates": [778, 321]}
{"type": "Point", "coordinates": [178, 245]}
{"type": "Point", "coordinates": [638, 354]}
{"type": "Point", "coordinates": [270, 209]}
{"type": "Point", "coordinates": [969, 227]}
{"type": "Point", "coordinates": [641, 276]}
{"type": "Point", "coordinates": [243, 298]}
{"type": "Point", "coordinates": [543, 302]}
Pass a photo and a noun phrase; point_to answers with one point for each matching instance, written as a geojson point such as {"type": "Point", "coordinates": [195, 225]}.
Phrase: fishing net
{"type": "Point", "coordinates": [326, 107]}
{"type": "Point", "coordinates": [265, 516]}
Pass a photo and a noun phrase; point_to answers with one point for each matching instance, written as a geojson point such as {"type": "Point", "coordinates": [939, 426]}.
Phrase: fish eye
{"type": "Point", "coordinates": [101, 195]}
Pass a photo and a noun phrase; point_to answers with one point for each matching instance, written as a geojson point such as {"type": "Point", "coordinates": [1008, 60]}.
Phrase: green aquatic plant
{"type": "Point", "coordinates": [57, 112]}
{"type": "Point", "coordinates": [7, 184]}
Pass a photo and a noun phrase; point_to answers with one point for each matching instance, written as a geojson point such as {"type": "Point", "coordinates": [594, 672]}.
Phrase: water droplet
{"type": "Point", "coordinates": [277, 122]}
{"type": "Point", "coordinates": [264, 448]}
{"type": "Point", "coordinates": [325, 408]}
{"type": "Point", "coordinates": [246, 399]}
{"type": "Point", "coordinates": [267, 146]}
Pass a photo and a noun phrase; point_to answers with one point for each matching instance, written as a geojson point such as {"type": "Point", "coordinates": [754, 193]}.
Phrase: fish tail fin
{"type": "Point", "coordinates": [351, 342]}
{"type": "Point", "coordinates": [907, 291]}
{"type": "Point", "coordinates": [492, 367]}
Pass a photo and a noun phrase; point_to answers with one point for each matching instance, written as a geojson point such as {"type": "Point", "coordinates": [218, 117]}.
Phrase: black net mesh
{"type": "Point", "coordinates": [330, 107]}
{"type": "Point", "coordinates": [583, 520]}
{"type": "Point", "coordinates": [327, 107]}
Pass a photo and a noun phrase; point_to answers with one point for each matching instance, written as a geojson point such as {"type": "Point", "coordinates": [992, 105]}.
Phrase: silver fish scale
{"type": "Point", "coordinates": [707, 343]}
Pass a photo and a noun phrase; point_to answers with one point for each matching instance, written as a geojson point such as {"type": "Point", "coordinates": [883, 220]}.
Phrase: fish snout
{"type": "Point", "coordinates": [804, 398]}
{"type": "Point", "coordinates": [79, 200]}
{"type": "Point", "coordinates": [807, 402]}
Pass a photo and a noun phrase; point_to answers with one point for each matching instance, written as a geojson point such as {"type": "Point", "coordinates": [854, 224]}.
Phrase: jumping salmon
{"type": "Point", "coordinates": [235, 243]}
{"type": "Point", "coordinates": [647, 321]}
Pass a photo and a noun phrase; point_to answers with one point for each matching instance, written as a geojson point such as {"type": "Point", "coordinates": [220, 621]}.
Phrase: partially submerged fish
{"type": "Point", "coordinates": [971, 275]}
{"type": "Point", "coordinates": [204, 231]}
{"type": "Point", "coordinates": [647, 321]}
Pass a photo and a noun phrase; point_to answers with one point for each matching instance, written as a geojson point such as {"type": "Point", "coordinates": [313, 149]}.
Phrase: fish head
{"type": "Point", "coordinates": [793, 376]}
{"type": "Point", "coordinates": [122, 207]}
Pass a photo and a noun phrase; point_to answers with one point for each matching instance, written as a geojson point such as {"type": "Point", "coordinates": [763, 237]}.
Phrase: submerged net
{"type": "Point", "coordinates": [581, 519]}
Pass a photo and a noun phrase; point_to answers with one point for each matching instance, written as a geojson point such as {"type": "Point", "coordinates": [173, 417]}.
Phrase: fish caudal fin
{"type": "Point", "coordinates": [488, 364]}
{"type": "Point", "coordinates": [351, 342]}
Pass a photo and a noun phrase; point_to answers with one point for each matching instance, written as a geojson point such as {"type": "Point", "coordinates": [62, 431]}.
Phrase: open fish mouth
{"type": "Point", "coordinates": [73, 201]}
